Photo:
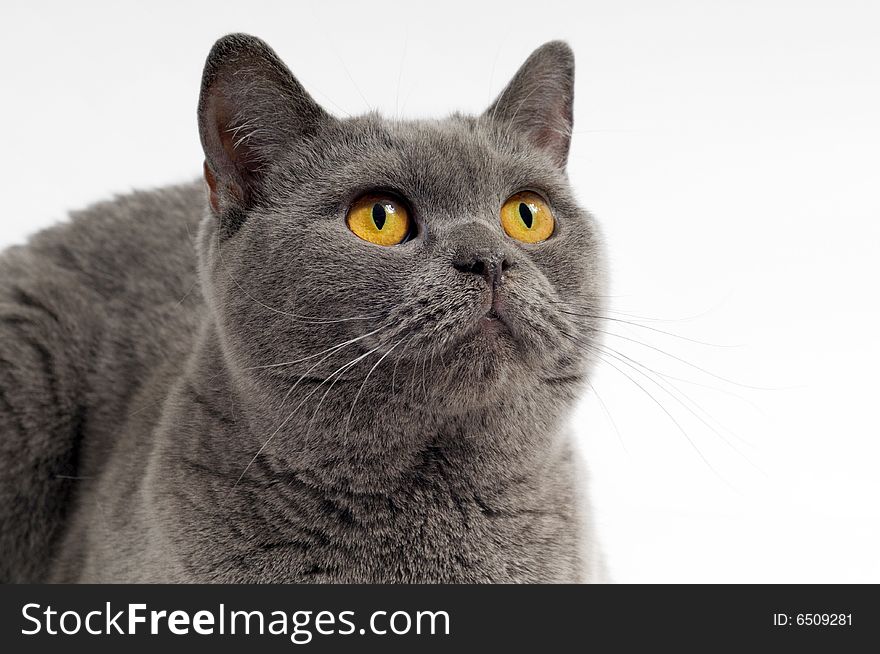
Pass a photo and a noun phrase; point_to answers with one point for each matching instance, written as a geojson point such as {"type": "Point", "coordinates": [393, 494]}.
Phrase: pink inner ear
{"type": "Point", "coordinates": [550, 139]}
{"type": "Point", "coordinates": [211, 181]}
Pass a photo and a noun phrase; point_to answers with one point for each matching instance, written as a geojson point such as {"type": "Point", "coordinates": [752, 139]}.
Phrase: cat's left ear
{"type": "Point", "coordinates": [539, 100]}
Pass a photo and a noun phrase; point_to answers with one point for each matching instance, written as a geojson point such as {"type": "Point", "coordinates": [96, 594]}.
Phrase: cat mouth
{"type": "Point", "coordinates": [492, 315]}
{"type": "Point", "coordinates": [491, 326]}
{"type": "Point", "coordinates": [487, 327]}
{"type": "Point", "coordinates": [492, 322]}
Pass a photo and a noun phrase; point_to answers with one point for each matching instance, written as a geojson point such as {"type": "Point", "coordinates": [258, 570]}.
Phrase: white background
{"type": "Point", "coordinates": [730, 150]}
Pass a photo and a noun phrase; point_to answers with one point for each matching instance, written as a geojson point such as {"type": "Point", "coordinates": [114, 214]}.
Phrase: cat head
{"type": "Point", "coordinates": [442, 262]}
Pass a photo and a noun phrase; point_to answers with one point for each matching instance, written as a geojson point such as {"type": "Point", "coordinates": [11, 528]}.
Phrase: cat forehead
{"type": "Point", "coordinates": [451, 141]}
{"type": "Point", "coordinates": [472, 157]}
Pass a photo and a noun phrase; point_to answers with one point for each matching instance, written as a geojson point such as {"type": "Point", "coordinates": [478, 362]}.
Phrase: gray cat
{"type": "Point", "coordinates": [348, 355]}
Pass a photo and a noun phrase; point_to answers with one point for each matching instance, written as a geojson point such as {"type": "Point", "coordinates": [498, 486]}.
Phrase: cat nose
{"type": "Point", "coordinates": [490, 267]}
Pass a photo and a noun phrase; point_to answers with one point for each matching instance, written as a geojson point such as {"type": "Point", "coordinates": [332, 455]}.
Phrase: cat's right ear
{"type": "Point", "coordinates": [538, 103]}
{"type": "Point", "coordinates": [250, 109]}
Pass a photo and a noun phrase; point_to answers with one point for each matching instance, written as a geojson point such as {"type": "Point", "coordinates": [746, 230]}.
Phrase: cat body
{"type": "Point", "coordinates": [220, 382]}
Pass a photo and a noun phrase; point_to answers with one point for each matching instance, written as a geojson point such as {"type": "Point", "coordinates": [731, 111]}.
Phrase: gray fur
{"type": "Point", "coordinates": [149, 432]}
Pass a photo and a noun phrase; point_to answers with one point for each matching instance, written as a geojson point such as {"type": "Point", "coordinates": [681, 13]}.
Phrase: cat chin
{"type": "Point", "coordinates": [479, 370]}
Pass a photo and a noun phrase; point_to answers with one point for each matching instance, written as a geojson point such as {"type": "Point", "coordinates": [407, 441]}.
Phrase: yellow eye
{"type": "Point", "coordinates": [379, 219]}
{"type": "Point", "coordinates": [527, 218]}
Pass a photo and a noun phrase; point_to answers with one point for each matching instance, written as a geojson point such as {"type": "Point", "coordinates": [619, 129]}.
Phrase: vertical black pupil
{"type": "Point", "coordinates": [379, 215]}
{"type": "Point", "coordinates": [525, 213]}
